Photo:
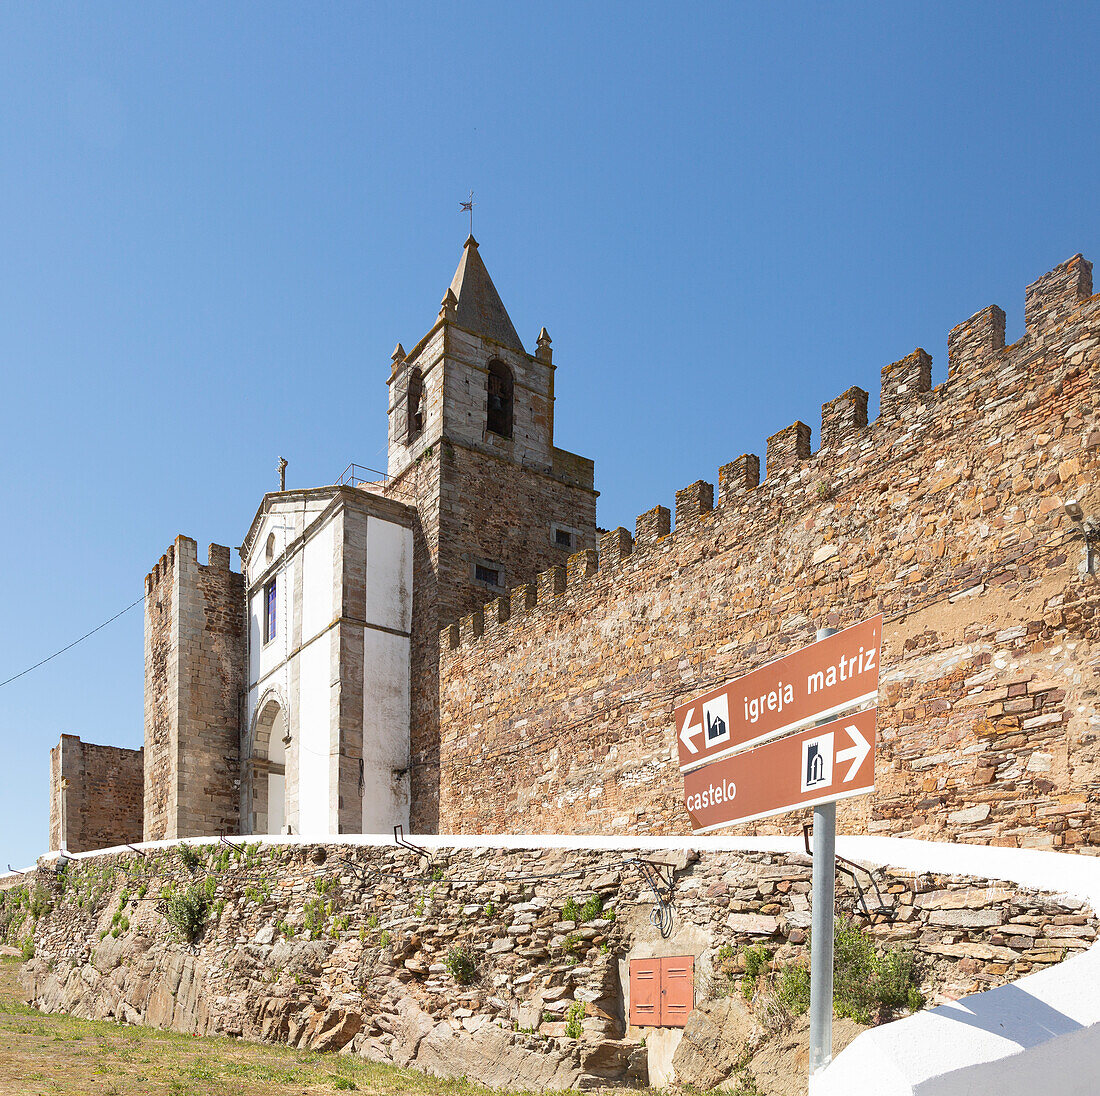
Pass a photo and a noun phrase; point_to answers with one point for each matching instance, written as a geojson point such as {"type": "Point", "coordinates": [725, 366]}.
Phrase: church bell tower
{"type": "Point", "coordinates": [471, 446]}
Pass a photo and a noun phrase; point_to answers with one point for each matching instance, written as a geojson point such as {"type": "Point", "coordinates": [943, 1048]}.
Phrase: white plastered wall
{"type": "Point", "coordinates": [386, 675]}
{"type": "Point", "coordinates": [301, 682]}
{"type": "Point", "coordinates": [310, 598]}
{"type": "Point", "coordinates": [276, 782]}
{"type": "Point", "coordinates": [314, 739]}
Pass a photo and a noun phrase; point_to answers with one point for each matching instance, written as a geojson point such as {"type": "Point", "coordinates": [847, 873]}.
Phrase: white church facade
{"type": "Point", "coordinates": [329, 587]}
{"type": "Point", "coordinates": [300, 694]}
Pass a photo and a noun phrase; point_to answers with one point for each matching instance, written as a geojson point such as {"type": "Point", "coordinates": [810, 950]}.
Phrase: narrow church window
{"type": "Point", "coordinates": [499, 420]}
{"type": "Point", "coordinates": [416, 406]}
{"type": "Point", "coordinates": [269, 611]}
{"type": "Point", "coordinates": [270, 552]}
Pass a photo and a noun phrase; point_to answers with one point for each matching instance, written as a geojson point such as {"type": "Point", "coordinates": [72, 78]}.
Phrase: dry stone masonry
{"type": "Point", "coordinates": [463, 962]}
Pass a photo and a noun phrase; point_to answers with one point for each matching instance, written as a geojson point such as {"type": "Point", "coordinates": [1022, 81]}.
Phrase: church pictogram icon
{"type": "Point", "coordinates": [817, 762]}
{"type": "Point", "coordinates": [716, 720]}
{"type": "Point", "coordinates": [716, 727]}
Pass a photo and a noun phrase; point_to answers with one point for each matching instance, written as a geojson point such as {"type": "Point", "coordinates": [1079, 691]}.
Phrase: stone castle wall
{"type": "Point", "coordinates": [945, 514]}
{"type": "Point", "coordinates": [335, 946]}
{"type": "Point", "coordinates": [195, 663]}
{"type": "Point", "coordinates": [100, 805]}
{"type": "Point", "coordinates": [161, 697]}
{"type": "Point", "coordinates": [492, 510]}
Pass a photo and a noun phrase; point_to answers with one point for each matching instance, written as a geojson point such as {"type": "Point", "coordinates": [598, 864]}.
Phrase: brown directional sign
{"type": "Point", "coordinates": [822, 764]}
{"type": "Point", "coordinates": [807, 685]}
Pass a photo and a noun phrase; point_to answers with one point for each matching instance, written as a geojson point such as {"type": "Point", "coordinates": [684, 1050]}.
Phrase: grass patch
{"type": "Point", "coordinates": [102, 1057]}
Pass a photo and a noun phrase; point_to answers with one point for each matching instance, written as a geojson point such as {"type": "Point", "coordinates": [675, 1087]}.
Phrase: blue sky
{"type": "Point", "coordinates": [217, 220]}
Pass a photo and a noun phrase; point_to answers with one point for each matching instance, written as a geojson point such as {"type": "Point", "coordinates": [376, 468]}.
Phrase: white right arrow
{"type": "Point", "coordinates": [689, 730]}
{"type": "Point", "coordinates": [855, 753]}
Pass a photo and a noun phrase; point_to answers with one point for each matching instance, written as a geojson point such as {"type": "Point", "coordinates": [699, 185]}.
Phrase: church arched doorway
{"type": "Point", "coordinates": [268, 765]}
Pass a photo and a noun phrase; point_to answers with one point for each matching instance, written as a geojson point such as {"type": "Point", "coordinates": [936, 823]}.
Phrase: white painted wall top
{"type": "Point", "coordinates": [286, 519]}
{"type": "Point", "coordinates": [1037, 1035]}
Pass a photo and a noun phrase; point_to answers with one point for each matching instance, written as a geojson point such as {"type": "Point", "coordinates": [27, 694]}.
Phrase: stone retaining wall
{"type": "Point", "coordinates": [346, 947]}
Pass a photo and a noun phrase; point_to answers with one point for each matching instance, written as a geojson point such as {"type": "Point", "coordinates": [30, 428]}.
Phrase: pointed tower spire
{"type": "Point", "coordinates": [479, 308]}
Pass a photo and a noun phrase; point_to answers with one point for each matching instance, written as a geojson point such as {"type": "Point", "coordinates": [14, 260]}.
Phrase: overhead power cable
{"type": "Point", "coordinates": [70, 646]}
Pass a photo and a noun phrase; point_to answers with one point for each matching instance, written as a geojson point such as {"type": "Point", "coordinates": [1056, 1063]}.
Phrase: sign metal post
{"type": "Point", "coordinates": [775, 740]}
{"type": "Point", "coordinates": [821, 932]}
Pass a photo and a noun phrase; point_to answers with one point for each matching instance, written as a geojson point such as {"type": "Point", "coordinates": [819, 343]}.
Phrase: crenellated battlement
{"type": "Point", "coordinates": [194, 660]}
{"type": "Point", "coordinates": [979, 367]}
{"type": "Point", "coordinates": [185, 550]}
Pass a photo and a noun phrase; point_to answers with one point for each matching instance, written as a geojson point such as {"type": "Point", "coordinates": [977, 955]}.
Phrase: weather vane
{"type": "Point", "coordinates": [468, 207]}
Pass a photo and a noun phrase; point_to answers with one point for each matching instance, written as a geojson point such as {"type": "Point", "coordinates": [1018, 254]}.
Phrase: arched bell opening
{"type": "Point", "coordinates": [499, 404]}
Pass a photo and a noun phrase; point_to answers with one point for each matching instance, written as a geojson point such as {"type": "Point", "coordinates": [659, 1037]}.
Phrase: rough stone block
{"type": "Point", "coordinates": [471, 626]}
{"type": "Point", "coordinates": [551, 583]}
{"type": "Point", "coordinates": [497, 611]}
{"type": "Point", "coordinates": [843, 416]}
{"type": "Point", "coordinates": [904, 379]}
{"type": "Point", "coordinates": [757, 924]}
{"type": "Point", "coordinates": [739, 476]}
{"type": "Point", "coordinates": [1051, 298]}
{"type": "Point", "coordinates": [787, 448]}
{"type": "Point", "coordinates": [615, 546]}
{"type": "Point", "coordinates": [651, 526]}
{"type": "Point", "coordinates": [523, 598]}
{"type": "Point", "coordinates": [692, 501]}
{"type": "Point", "coordinates": [972, 342]}
{"type": "Point", "coordinates": [965, 918]}
{"type": "Point", "coordinates": [580, 565]}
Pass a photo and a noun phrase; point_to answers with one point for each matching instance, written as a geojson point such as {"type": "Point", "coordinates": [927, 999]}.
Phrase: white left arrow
{"type": "Point", "coordinates": [689, 730]}
{"type": "Point", "coordinates": [855, 753]}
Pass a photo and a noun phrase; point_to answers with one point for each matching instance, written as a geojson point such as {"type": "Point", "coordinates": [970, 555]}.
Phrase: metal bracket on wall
{"type": "Point", "coordinates": [236, 848]}
{"type": "Point", "coordinates": [849, 868]}
{"type": "Point", "coordinates": [663, 914]}
{"type": "Point", "coordinates": [140, 852]}
{"type": "Point", "coordinates": [399, 837]}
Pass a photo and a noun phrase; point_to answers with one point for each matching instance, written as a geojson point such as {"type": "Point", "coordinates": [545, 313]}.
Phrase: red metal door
{"type": "Point", "coordinates": [662, 991]}
{"type": "Point", "coordinates": [677, 989]}
{"type": "Point", "coordinates": [645, 992]}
